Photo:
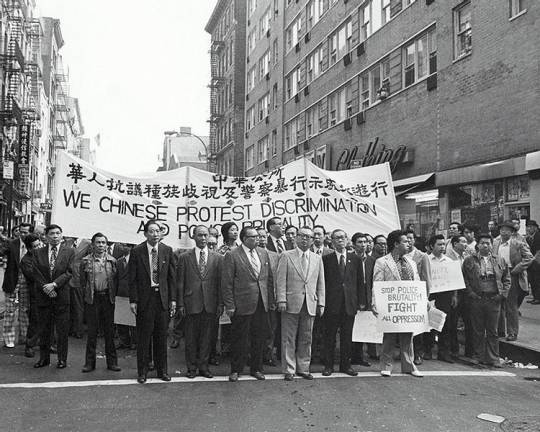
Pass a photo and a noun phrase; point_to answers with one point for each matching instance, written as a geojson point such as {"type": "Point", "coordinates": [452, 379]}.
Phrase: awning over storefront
{"type": "Point", "coordinates": [478, 173]}
{"type": "Point", "coordinates": [532, 161]}
{"type": "Point", "coordinates": [407, 184]}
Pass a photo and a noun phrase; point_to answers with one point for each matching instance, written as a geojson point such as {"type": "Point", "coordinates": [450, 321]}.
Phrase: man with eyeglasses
{"type": "Point", "coordinates": [276, 242]}
{"type": "Point", "coordinates": [248, 295]}
{"type": "Point", "coordinates": [300, 296]}
{"type": "Point", "coordinates": [379, 246]}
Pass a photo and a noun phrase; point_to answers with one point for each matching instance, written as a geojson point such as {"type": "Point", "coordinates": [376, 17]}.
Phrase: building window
{"type": "Point", "coordinates": [263, 106]}
{"type": "Point", "coordinates": [251, 78]}
{"type": "Point", "coordinates": [332, 109]}
{"type": "Point", "coordinates": [380, 81]}
{"type": "Point", "coordinates": [273, 142]}
{"type": "Point", "coordinates": [250, 118]}
{"type": "Point", "coordinates": [462, 30]}
{"type": "Point", "coordinates": [313, 13]}
{"type": "Point", "coordinates": [293, 32]}
{"type": "Point", "coordinates": [314, 64]}
{"type": "Point", "coordinates": [365, 21]}
{"type": "Point", "coordinates": [312, 121]}
{"type": "Point", "coordinates": [252, 39]}
{"type": "Point", "coordinates": [264, 65]}
{"type": "Point", "coordinates": [516, 7]}
{"type": "Point", "coordinates": [385, 11]}
{"type": "Point", "coordinates": [251, 6]}
{"type": "Point", "coordinates": [250, 157]}
{"type": "Point", "coordinates": [340, 42]}
{"type": "Point", "coordinates": [364, 90]}
{"type": "Point", "coordinates": [275, 52]}
{"type": "Point", "coordinates": [292, 83]}
{"type": "Point", "coordinates": [264, 23]}
{"type": "Point", "coordinates": [291, 131]}
{"type": "Point", "coordinates": [419, 58]}
{"type": "Point", "coordinates": [262, 150]}
{"type": "Point", "coordinates": [275, 96]}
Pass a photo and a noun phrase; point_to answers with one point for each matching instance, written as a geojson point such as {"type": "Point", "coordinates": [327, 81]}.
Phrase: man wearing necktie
{"type": "Point", "coordinates": [199, 276]}
{"type": "Point", "coordinates": [152, 297]}
{"type": "Point", "coordinates": [248, 295]}
{"type": "Point", "coordinates": [300, 296]}
{"type": "Point", "coordinates": [345, 294]}
{"type": "Point", "coordinates": [276, 242]}
{"type": "Point", "coordinates": [51, 274]}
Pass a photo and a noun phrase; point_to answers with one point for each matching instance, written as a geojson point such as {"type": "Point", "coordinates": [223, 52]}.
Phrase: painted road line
{"type": "Point", "coordinates": [133, 381]}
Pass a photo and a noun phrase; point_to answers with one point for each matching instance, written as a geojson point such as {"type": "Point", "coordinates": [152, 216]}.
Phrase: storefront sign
{"type": "Point", "coordinates": [24, 144]}
{"type": "Point", "coordinates": [375, 154]}
{"type": "Point", "coordinates": [401, 306]}
{"type": "Point", "coordinates": [8, 170]}
{"type": "Point", "coordinates": [45, 206]}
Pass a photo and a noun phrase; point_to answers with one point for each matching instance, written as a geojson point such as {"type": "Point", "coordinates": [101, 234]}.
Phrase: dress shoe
{"type": "Point", "coordinates": [174, 344]}
{"type": "Point", "coordinates": [327, 372]}
{"type": "Point", "coordinates": [418, 360]}
{"type": "Point", "coordinates": [206, 374]}
{"type": "Point", "coordinates": [511, 338]}
{"type": "Point", "coordinates": [258, 375]}
{"type": "Point", "coordinates": [141, 379]}
{"type": "Point", "coordinates": [164, 377]}
{"type": "Point", "coordinates": [42, 363]}
{"type": "Point", "coordinates": [386, 373]}
{"type": "Point", "coordinates": [61, 364]}
{"type": "Point", "coordinates": [349, 371]}
{"type": "Point", "coordinates": [151, 366]}
{"type": "Point", "coordinates": [416, 374]}
{"type": "Point", "coordinates": [445, 358]}
{"type": "Point", "coordinates": [289, 377]}
{"type": "Point", "coordinates": [29, 352]}
{"type": "Point", "coordinates": [191, 374]}
{"type": "Point", "coordinates": [114, 368]}
{"type": "Point", "coordinates": [305, 375]}
{"type": "Point", "coordinates": [233, 377]}
{"type": "Point", "coordinates": [9, 345]}
{"type": "Point", "coordinates": [87, 368]}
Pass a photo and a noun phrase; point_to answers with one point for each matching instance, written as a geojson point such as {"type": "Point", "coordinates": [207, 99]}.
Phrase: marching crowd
{"type": "Point", "coordinates": [262, 295]}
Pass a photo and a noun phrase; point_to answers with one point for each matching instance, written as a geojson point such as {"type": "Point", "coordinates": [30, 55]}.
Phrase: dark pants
{"type": "Point", "coordinates": [214, 330]}
{"type": "Point", "coordinates": [152, 322]}
{"type": "Point", "coordinates": [100, 311]}
{"type": "Point", "coordinates": [509, 316]}
{"type": "Point", "coordinates": [463, 310]}
{"type": "Point", "coordinates": [54, 315]}
{"type": "Point", "coordinates": [331, 324]}
{"type": "Point", "coordinates": [77, 310]}
{"type": "Point", "coordinates": [178, 323]}
{"type": "Point", "coordinates": [317, 339]}
{"type": "Point", "coordinates": [274, 338]}
{"type": "Point", "coordinates": [249, 333]}
{"type": "Point", "coordinates": [443, 302]}
{"type": "Point", "coordinates": [32, 333]}
{"type": "Point", "coordinates": [126, 334]}
{"type": "Point", "coordinates": [485, 316]}
{"type": "Point", "coordinates": [357, 354]}
{"type": "Point", "coordinates": [533, 273]}
{"type": "Point", "coordinates": [198, 332]}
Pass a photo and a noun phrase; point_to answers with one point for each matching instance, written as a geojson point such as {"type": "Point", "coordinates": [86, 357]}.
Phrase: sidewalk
{"type": "Point", "coordinates": [527, 347]}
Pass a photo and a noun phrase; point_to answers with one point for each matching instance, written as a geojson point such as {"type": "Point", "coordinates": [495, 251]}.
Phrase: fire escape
{"type": "Point", "coordinates": [216, 84]}
{"type": "Point", "coordinates": [61, 123]}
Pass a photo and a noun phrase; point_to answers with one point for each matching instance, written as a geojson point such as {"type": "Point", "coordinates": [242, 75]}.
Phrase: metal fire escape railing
{"type": "Point", "coordinates": [216, 82]}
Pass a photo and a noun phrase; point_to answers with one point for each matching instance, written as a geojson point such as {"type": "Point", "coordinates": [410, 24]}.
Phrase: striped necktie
{"type": "Point", "coordinates": [155, 277]}
{"type": "Point", "coordinates": [52, 259]}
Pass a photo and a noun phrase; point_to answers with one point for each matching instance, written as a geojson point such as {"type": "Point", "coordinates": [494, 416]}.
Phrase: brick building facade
{"type": "Point", "coordinates": [446, 91]}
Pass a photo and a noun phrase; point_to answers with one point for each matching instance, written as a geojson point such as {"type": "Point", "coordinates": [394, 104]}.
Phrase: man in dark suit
{"type": "Point", "coordinates": [248, 295]}
{"type": "Point", "coordinates": [360, 243]}
{"type": "Point", "coordinates": [152, 292]}
{"type": "Point", "coordinates": [345, 294]}
{"type": "Point", "coordinates": [51, 273]}
{"type": "Point", "coordinates": [276, 242]}
{"type": "Point", "coordinates": [199, 274]}
{"type": "Point", "coordinates": [126, 334]}
{"type": "Point", "coordinates": [15, 252]}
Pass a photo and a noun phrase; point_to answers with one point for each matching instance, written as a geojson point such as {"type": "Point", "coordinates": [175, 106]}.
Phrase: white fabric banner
{"type": "Point", "coordinates": [89, 200]}
{"type": "Point", "coordinates": [401, 306]}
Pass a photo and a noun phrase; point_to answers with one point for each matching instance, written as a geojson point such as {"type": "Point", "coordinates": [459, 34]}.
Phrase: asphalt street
{"type": "Point", "coordinates": [448, 399]}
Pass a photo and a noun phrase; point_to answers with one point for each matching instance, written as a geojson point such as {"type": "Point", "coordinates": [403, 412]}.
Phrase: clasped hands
{"type": "Point", "coordinates": [49, 289]}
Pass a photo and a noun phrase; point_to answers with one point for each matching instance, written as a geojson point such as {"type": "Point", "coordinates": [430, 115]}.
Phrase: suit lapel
{"type": "Point", "coordinates": [295, 259]}
{"type": "Point", "coordinates": [246, 262]}
{"type": "Point", "coordinates": [146, 258]}
{"type": "Point", "coordinates": [393, 268]}
{"type": "Point", "coordinates": [193, 261]}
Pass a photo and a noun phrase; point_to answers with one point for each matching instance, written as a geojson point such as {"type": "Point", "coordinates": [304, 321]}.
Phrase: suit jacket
{"type": "Point", "coordinates": [83, 248]}
{"type": "Point", "coordinates": [520, 259]}
{"type": "Point", "coordinates": [240, 286]}
{"type": "Point", "coordinates": [326, 250]}
{"type": "Point", "coordinates": [270, 244]}
{"type": "Point", "coordinates": [195, 291]}
{"type": "Point", "coordinates": [471, 274]}
{"type": "Point", "coordinates": [350, 289]}
{"type": "Point", "coordinates": [385, 269]}
{"type": "Point", "coordinates": [86, 275]}
{"type": "Point", "coordinates": [140, 289]}
{"type": "Point", "coordinates": [61, 274]}
{"type": "Point", "coordinates": [11, 274]}
{"type": "Point", "coordinates": [273, 257]}
{"type": "Point", "coordinates": [122, 278]}
{"type": "Point", "coordinates": [293, 288]}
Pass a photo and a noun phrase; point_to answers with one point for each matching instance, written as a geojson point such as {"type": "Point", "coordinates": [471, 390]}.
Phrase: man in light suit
{"type": "Point", "coordinates": [198, 276]}
{"type": "Point", "coordinates": [152, 293]}
{"type": "Point", "coordinates": [51, 274]}
{"type": "Point", "coordinates": [517, 254]}
{"type": "Point", "coordinates": [300, 296]}
{"type": "Point", "coordinates": [248, 295]}
{"type": "Point", "coordinates": [345, 294]}
{"type": "Point", "coordinates": [396, 266]}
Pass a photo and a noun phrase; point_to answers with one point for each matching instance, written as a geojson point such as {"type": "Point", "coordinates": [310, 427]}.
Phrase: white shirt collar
{"type": "Point", "coordinates": [150, 247]}
{"type": "Point", "coordinates": [247, 251]}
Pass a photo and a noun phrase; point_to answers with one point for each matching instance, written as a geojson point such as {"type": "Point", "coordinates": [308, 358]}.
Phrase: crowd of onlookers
{"type": "Point", "coordinates": [261, 295]}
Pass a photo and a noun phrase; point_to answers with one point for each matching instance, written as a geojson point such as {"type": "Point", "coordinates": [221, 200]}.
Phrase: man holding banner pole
{"type": "Point", "coordinates": [396, 267]}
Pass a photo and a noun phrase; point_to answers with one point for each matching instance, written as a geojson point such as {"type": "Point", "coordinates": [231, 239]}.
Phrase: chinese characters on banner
{"type": "Point", "coordinates": [88, 199]}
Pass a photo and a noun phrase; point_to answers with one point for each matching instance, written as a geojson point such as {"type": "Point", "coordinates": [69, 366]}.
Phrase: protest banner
{"type": "Point", "coordinates": [88, 199]}
{"type": "Point", "coordinates": [366, 328]}
{"type": "Point", "coordinates": [446, 276]}
{"type": "Point", "coordinates": [401, 306]}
